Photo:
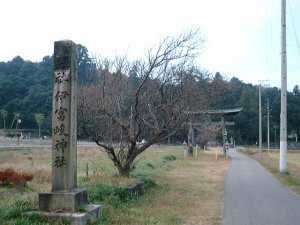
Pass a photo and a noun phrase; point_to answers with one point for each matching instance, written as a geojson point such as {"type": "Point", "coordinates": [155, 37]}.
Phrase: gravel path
{"type": "Point", "coordinates": [254, 197]}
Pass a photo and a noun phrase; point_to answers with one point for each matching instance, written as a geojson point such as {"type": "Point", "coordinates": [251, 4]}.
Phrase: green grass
{"type": "Point", "coordinates": [115, 196]}
{"type": "Point", "coordinates": [13, 213]}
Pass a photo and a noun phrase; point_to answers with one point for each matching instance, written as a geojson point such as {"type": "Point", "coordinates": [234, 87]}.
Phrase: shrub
{"type": "Point", "coordinates": [117, 196]}
{"type": "Point", "coordinates": [11, 177]}
{"type": "Point", "coordinates": [169, 158]}
{"type": "Point", "coordinates": [148, 182]}
{"type": "Point", "coordinates": [150, 165]}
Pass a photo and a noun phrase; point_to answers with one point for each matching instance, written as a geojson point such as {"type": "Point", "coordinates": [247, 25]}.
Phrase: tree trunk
{"type": "Point", "coordinates": [125, 168]}
{"type": "Point", "coordinates": [124, 171]}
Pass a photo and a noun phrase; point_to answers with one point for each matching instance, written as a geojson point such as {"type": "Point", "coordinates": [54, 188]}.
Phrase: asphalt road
{"type": "Point", "coordinates": [254, 197]}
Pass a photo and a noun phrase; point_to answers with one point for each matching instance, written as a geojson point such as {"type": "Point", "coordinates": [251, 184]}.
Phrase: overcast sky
{"type": "Point", "coordinates": [242, 37]}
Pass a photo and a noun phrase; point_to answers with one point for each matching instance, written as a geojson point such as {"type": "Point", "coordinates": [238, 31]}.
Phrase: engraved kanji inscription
{"type": "Point", "coordinates": [60, 161]}
{"type": "Point", "coordinates": [60, 130]}
{"type": "Point", "coordinates": [62, 76]}
{"type": "Point", "coordinates": [60, 113]}
{"type": "Point", "coordinates": [60, 95]}
{"type": "Point", "coordinates": [61, 145]}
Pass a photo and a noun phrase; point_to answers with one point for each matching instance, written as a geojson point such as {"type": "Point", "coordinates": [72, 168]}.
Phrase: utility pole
{"type": "Point", "coordinates": [283, 116]}
{"type": "Point", "coordinates": [260, 126]}
{"type": "Point", "coordinates": [265, 84]}
{"type": "Point", "coordinates": [275, 135]}
{"type": "Point", "coordinates": [268, 118]}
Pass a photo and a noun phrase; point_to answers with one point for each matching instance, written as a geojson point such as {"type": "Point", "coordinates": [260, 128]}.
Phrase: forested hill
{"type": "Point", "coordinates": [26, 88]}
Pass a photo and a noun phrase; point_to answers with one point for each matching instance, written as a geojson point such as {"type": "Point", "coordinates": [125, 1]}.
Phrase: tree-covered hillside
{"type": "Point", "coordinates": [26, 88]}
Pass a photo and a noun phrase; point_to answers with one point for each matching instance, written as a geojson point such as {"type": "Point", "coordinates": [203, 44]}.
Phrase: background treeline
{"type": "Point", "coordinates": [26, 88]}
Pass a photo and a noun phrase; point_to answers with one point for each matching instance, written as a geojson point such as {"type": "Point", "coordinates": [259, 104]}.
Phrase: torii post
{"type": "Point", "coordinates": [191, 141]}
{"type": "Point", "coordinates": [225, 134]}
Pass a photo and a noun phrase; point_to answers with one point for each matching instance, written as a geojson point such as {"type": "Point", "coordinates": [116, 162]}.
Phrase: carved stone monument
{"type": "Point", "coordinates": [66, 198]}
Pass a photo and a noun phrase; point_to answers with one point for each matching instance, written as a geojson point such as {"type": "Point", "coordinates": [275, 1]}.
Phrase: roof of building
{"type": "Point", "coordinates": [218, 111]}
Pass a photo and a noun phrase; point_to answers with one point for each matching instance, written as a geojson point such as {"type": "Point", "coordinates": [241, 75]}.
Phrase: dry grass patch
{"type": "Point", "coordinates": [188, 191]}
{"type": "Point", "coordinates": [199, 189]}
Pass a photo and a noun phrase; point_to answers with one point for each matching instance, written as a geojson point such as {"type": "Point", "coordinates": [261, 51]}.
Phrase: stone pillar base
{"type": "Point", "coordinates": [62, 201]}
{"type": "Point", "coordinates": [90, 213]}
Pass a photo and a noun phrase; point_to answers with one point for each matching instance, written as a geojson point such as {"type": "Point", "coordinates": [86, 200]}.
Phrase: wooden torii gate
{"type": "Point", "coordinates": [223, 124]}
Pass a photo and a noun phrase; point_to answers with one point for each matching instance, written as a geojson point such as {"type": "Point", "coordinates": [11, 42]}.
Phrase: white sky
{"type": "Point", "coordinates": [242, 37]}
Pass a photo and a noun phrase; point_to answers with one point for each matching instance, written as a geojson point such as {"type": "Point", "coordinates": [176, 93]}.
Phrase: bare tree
{"type": "Point", "coordinates": [136, 104]}
{"type": "Point", "coordinates": [208, 132]}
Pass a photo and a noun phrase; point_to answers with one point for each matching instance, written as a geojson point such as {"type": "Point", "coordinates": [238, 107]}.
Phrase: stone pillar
{"type": "Point", "coordinates": [66, 199]}
{"type": "Point", "coordinates": [64, 196]}
{"type": "Point", "coordinates": [64, 122]}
